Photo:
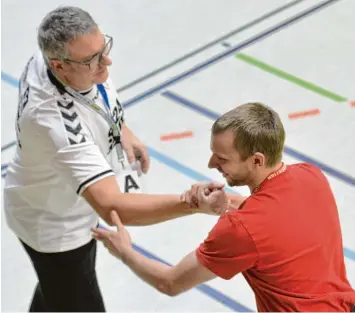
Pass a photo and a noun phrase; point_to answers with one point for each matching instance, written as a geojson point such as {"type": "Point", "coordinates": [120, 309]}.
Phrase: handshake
{"type": "Point", "coordinates": [208, 198]}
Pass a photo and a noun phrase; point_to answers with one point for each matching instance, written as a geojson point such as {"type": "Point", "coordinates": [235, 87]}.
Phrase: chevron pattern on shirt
{"type": "Point", "coordinates": [71, 122]}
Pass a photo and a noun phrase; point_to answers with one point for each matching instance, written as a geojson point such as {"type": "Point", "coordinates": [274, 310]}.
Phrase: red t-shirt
{"type": "Point", "coordinates": [286, 240]}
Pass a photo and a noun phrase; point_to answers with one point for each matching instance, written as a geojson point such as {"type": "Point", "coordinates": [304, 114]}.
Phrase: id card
{"type": "Point", "coordinates": [130, 180]}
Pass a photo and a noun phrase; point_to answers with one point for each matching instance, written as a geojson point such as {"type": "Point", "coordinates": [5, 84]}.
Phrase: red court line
{"type": "Point", "coordinates": [304, 114]}
{"type": "Point", "coordinates": [173, 136]}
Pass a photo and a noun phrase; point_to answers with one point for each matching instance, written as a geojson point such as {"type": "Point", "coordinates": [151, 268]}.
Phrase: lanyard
{"type": "Point", "coordinates": [102, 90]}
{"type": "Point", "coordinates": [106, 115]}
{"type": "Point", "coordinates": [271, 176]}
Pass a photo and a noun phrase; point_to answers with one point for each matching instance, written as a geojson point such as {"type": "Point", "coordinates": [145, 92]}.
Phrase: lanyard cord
{"type": "Point", "coordinates": [92, 106]}
{"type": "Point", "coordinates": [106, 115]}
{"type": "Point", "coordinates": [102, 90]}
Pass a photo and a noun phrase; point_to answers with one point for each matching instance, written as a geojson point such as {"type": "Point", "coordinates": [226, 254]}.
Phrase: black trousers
{"type": "Point", "coordinates": [66, 280]}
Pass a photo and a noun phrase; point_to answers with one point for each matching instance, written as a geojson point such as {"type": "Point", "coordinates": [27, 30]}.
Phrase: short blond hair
{"type": "Point", "coordinates": [257, 128]}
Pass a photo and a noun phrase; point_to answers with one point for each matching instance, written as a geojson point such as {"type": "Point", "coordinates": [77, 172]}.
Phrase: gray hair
{"type": "Point", "coordinates": [60, 26]}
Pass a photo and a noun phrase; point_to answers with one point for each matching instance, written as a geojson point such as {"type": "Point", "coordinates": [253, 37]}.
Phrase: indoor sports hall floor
{"type": "Point", "coordinates": [177, 66]}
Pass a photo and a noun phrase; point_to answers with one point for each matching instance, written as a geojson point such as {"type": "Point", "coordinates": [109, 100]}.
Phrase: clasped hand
{"type": "Point", "coordinates": [207, 197]}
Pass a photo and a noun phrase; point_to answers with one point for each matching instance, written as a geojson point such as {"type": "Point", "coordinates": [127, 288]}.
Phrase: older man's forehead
{"type": "Point", "coordinates": [86, 46]}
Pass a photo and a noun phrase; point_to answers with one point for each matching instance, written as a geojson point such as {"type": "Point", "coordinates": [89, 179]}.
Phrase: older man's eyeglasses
{"type": "Point", "coordinates": [96, 59]}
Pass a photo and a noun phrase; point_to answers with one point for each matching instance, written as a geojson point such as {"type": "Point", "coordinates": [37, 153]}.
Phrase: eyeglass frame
{"type": "Point", "coordinates": [99, 54]}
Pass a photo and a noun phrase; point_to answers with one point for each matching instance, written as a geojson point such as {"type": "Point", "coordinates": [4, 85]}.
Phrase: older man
{"type": "Point", "coordinates": [74, 156]}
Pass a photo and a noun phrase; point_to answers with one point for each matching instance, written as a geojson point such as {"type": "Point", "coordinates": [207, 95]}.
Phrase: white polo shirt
{"type": "Point", "coordinates": [63, 147]}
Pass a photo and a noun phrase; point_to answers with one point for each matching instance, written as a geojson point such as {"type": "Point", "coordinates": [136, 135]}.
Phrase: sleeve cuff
{"type": "Point", "coordinates": [93, 180]}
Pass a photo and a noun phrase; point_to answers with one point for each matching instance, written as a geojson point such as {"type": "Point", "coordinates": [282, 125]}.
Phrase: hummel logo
{"type": "Point", "coordinates": [75, 130]}
{"type": "Point", "coordinates": [71, 123]}
{"type": "Point", "coordinates": [67, 106]}
{"type": "Point", "coordinates": [70, 117]}
{"type": "Point", "coordinates": [72, 142]}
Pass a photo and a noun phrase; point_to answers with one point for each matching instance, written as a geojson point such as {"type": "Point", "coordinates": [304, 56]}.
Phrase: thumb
{"type": "Point", "coordinates": [116, 220]}
{"type": "Point", "coordinates": [218, 198]}
{"type": "Point", "coordinates": [215, 185]}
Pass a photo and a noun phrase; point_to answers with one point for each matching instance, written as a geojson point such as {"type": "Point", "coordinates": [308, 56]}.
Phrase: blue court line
{"type": "Point", "coordinates": [3, 170]}
{"type": "Point", "coordinates": [207, 290]}
{"type": "Point", "coordinates": [210, 44]}
{"type": "Point", "coordinates": [292, 152]}
{"type": "Point", "coordinates": [9, 79]}
{"type": "Point", "coordinates": [349, 253]}
{"type": "Point", "coordinates": [183, 169]}
{"type": "Point", "coordinates": [227, 53]}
